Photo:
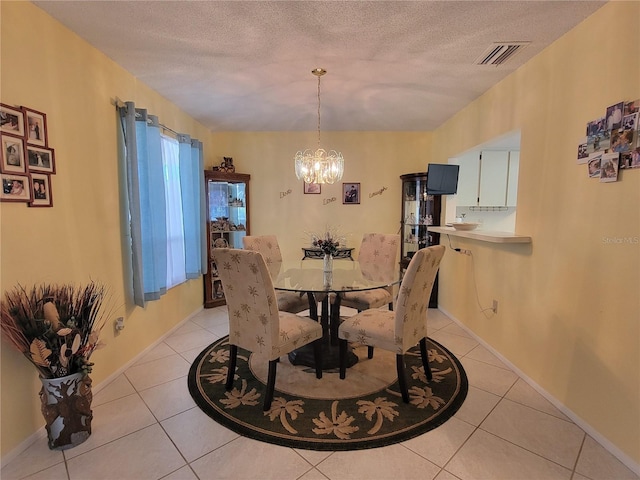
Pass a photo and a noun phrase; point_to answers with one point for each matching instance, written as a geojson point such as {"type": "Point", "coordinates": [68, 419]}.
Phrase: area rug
{"type": "Point", "coordinates": [363, 411]}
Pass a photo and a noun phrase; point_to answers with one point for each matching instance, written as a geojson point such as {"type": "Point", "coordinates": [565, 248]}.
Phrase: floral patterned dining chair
{"type": "Point", "coordinates": [255, 323]}
{"type": "Point", "coordinates": [398, 331]}
{"type": "Point", "coordinates": [267, 245]}
{"type": "Point", "coordinates": [377, 258]}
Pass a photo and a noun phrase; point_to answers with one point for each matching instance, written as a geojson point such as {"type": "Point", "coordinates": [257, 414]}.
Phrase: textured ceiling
{"type": "Point", "coordinates": [238, 65]}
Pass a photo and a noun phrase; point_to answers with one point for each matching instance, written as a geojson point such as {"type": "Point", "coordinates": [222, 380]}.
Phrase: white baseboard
{"type": "Point", "coordinates": [122, 369]}
{"type": "Point", "coordinates": [39, 434]}
{"type": "Point", "coordinates": [42, 432]}
{"type": "Point", "coordinates": [593, 433]}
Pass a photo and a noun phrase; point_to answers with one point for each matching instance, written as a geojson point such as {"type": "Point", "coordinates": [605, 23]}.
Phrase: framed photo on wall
{"type": "Point", "coordinates": [312, 188]}
{"type": "Point", "coordinates": [36, 127]}
{"type": "Point", "coordinates": [11, 120]}
{"type": "Point", "coordinates": [41, 159]}
{"type": "Point", "coordinates": [41, 190]}
{"type": "Point", "coordinates": [351, 193]}
{"type": "Point", "coordinates": [12, 154]}
{"type": "Point", "coordinates": [15, 188]}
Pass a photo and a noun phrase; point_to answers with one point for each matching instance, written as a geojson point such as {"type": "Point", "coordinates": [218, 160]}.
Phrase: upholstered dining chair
{"type": "Point", "coordinates": [378, 252]}
{"type": "Point", "coordinates": [255, 323]}
{"type": "Point", "coordinates": [267, 245]}
{"type": "Point", "coordinates": [397, 331]}
{"type": "Point", "coordinates": [377, 256]}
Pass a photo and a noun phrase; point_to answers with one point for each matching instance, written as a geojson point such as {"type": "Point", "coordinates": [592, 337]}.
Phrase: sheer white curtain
{"type": "Point", "coordinates": [175, 238]}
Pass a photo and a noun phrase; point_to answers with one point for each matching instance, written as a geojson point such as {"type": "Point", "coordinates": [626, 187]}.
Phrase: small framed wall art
{"type": "Point", "coordinates": [312, 188]}
{"type": "Point", "coordinates": [11, 120]}
{"type": "Point", "coordinates": [12, 154]}
{"type": "Point", "coordinates": [350, 193]}
{"type": "Point", "coordinates": [15, 188]}
{"type": "Point", "coordinates": [36, 127]}
{"type": "Point", "coordinates": [41, 190]}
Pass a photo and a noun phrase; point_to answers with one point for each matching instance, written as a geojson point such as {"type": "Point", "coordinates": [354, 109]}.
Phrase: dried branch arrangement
{"type": "Point", "coordinates": [55, 326]}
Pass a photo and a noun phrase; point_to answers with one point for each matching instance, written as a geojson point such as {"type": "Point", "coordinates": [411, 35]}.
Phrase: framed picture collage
{"type": "Point", "coordinates": [26, 159]}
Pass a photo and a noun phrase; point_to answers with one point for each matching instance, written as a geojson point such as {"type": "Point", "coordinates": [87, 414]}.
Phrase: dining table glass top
{"type": "Point", "coordinates": [346, 276]}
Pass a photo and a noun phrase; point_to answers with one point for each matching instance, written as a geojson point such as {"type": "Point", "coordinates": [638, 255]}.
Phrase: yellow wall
{"type": "Point", "coordinates": [49, 69]}
{"type": "Point", "coordinates": [569, 312]}
{"type": "Point", "coordinates": [374, 159]}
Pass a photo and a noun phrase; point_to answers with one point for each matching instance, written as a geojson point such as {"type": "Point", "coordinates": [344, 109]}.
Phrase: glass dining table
{"type": "Point", "coordinates": [308, 277]}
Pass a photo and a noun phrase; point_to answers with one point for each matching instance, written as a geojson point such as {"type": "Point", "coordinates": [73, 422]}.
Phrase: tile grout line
{"type": "Point", "coordinates": [526, 449]}
{"type": "Point", "coordinates": [476, 427]}
{"type": "Point", "coordinates": [66, 461]}
{"type": "Point", "coordinates": [575, 465]}
{"type": "Point", "coordinates": [504, 397]}
{"type": "Point", "coordinates": [238, 436]}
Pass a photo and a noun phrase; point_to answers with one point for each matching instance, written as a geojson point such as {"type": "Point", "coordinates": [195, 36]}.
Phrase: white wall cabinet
{"type": "Point", "coordinates": [468, 178]}
{"type": "Point", "coordinates": [488, 178]}
{"type": "Point", "coordinates": [494, 169]}
{"type": "Point", "coordinates": [512, 182]}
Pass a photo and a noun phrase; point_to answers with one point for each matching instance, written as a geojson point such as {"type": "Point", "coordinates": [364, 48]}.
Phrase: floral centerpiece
{"type": "Point", "coordinates": [328, 245]}
{"type": "Point", "coordinates": [55, 327]}
{"type": "Point", "coordinates": [329, 242]}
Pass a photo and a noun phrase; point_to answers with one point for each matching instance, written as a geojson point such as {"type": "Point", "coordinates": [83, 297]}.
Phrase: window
{"type": "Point", "coordinates": [164, 205]}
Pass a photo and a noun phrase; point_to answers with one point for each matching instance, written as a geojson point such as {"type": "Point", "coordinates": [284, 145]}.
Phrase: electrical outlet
{"type": "Point", "coordinates": [466, 252]}
{"type": "Point", "coordinates": [119, 324]}
{"type": "Point", "coordinates": [495, 306]}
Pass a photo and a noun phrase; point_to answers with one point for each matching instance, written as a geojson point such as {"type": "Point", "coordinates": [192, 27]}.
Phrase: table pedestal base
{"type": "Point", "coordinates": [330, 321]}
{"type": "Point", "coordinates": [330, 357]}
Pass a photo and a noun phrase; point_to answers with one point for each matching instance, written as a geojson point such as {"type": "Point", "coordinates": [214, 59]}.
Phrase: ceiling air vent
{"type": "Point", "coordinates": [499, 53]}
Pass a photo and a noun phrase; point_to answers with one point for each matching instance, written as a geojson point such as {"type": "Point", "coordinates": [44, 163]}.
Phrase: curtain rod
{"type": "Point", "coordinates": [120, 104]}
{"type": "Point", "coordinates": [170, 130]}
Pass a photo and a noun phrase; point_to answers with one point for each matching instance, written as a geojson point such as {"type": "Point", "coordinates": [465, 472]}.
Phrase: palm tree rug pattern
{"type": "Point", "coordinates": [365, 410]}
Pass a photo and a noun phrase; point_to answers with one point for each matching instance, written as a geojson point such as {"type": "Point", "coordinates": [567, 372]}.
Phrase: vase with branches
{"type": "Point", "coordinates": [57, 328]}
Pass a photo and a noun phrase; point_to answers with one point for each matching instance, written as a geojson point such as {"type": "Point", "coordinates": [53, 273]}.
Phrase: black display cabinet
{"type": "Point", "coordinates": [419, 211]}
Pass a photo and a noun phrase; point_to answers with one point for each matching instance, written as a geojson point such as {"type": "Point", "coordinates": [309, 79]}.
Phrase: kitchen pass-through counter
{"type": "Point", "coordinates": [482, 235]}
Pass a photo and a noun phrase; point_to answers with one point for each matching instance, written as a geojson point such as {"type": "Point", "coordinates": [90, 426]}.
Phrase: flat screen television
{"type": "Point", "coordinates": [442, 179]}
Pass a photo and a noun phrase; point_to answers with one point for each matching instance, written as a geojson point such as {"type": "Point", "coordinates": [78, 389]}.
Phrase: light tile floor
{"type": "Point", "coordinates": [146, 426]}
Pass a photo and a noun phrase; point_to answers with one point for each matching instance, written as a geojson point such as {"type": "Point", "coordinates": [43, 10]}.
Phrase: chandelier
{"type": "Point", "coordinates": [319, 166]}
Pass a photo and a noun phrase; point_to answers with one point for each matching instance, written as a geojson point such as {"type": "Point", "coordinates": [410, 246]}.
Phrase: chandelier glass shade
{"type": "Point", "coordinates": [319, 166]}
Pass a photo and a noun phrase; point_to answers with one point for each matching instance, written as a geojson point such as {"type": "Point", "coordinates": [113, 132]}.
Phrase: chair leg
{"type": "Point", "coordinates": [402, 380]}
{"type": "Point", "coordinates": [343, 358]}
{"type": "Point", "coordinates": [425, 359]}
{"type": "Point", "coordinates": [317, 357]}
{"type": "Point", "coordinates": [271, 384]}
{"type": "Point", "coordinates": [233, 356]}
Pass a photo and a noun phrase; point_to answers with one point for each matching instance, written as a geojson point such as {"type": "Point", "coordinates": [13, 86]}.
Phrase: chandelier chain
{"type": "Point", "coordinates": [318, 111]}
